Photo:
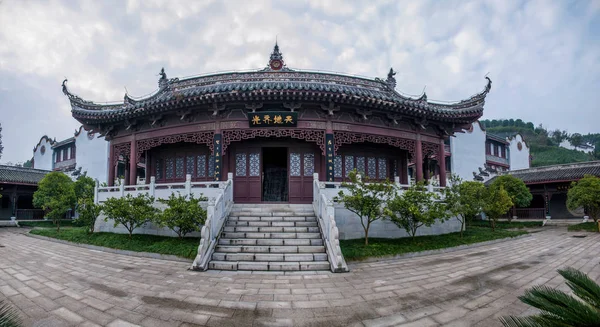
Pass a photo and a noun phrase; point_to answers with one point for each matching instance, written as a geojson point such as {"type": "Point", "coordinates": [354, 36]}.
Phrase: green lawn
{"type": "Point", "coordinates": [588, 227]}
{"type": "Point", "coordinates": [46, 223]}
{"type": "Point", "coordinates": [506, 224]}
{"type": "Point", "coordinates": [185, 248]}
{"type": "Point", "coordinates": [356, 250]}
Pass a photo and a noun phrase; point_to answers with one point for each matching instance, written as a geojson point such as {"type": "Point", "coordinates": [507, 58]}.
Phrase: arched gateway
{"type": "Point", "coordinates": [273, 128]}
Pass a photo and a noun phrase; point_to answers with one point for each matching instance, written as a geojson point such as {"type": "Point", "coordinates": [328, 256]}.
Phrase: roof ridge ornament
{"type": "Point", "coordinates": [391, 80]}
{"type": "Point", "coordinates": [162, 81]}
{"type": "Point", "coordinates": [276, 59]}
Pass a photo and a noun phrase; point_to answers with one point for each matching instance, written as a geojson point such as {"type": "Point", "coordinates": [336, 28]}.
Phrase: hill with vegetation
{"type": "Point", "coordinates": [544, 144]}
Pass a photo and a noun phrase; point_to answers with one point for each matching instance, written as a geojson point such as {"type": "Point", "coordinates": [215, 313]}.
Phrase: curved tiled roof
{"type": "Point", "coordinates": [556, 173]}
{"type": "Point", "coordinates": [21, 175]}
{"type": "Point", "coordinates": [277, 85]}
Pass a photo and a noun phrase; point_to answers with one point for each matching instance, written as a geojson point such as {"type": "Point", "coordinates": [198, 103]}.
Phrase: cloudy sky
{"type": "Point", "coordinates": [543, 56]}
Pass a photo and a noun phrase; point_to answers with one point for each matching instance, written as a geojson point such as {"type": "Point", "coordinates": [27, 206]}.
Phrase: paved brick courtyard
{"type": "Point", "coordinates": [60, 285]}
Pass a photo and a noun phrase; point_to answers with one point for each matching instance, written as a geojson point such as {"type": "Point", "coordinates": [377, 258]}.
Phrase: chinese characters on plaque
{"type": "Point", "coordinates": [273, 119]}
{"type": "Point", "coordinates": [330, 155]}
{"type": "Point", "coordinates": [217, 156]}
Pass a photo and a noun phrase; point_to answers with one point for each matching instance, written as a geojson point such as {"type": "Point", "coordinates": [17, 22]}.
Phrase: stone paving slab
{"type": "Point", "coordinates": [55, 284]}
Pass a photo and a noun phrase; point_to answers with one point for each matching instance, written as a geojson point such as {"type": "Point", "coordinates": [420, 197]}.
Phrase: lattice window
{"type": "Point", "coordinates": [211, 167]}
{"type": "Point", "coordinates": [337, 166]}
{"type": "Point", "coordinates": [159, 169]}
{"type": "Point", "coordinates": [254, 164]}
{"type": "Point", "coordinates": [201, 163]}
{"type": "Point", "coordinates": [189, 165]}
{"type": "Point", "coordinates": [348, 164]}
{"type": "Point", "coordinates": [179, 173]}
{"type": "Point", "coordinates": [309, 164]}
{"type": "Point", "coordinates": [240, 164]}
{"type": "Point", "coordinates": [294, 164]}
{"type": "Point", "coordinates": [382, 163]}
{"type": "Point", "coordinates": [372, 167]}
{"type": "Point", "coordinates": [360, 165]}
{"type": "Point", "coordinates": [169, 165]}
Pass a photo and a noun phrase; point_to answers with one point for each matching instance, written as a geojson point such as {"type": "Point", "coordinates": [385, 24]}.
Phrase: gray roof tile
{"type": "Point", "coordinates": [20, 175]}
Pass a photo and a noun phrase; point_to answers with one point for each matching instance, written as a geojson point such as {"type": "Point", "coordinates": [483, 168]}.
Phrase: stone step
{"type": "Point", "coordinates": [269, 249]}
{"type": "Point", "coordinates": [272, 223]}
{"type": "Point", "coordinates": [270, 235]}
{"type": "Point", "coordinates": [271, 214]}
{"type": "Point", "coordinates": [277, 219]}
{"type": "Point", "coordinates": [223, 256]}
{"type": "Point", "coordinates": [269, 265]}
{"type": "Point", "coordinates": [253, 229]}
{"type": "Point", "coordinates": [271, 241]}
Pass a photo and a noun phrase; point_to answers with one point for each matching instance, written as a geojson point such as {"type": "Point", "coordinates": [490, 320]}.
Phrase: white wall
{"type": "Point", "coordinates": [468, 152]}
{"type": "Point", "coordinates": [567, 145]}
{"type": "Point", "coordinates": [43, 161]}
{"type": "Point", "coordinates": [519, 159]}
{"type": "Point", "coordinates": [92, 156]}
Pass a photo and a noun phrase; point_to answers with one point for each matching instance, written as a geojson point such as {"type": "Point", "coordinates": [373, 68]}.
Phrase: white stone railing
{"type": "Point", "coordinates": [332, 189]}
{"type": "Point", "coordinates": [325, 213]}
{"type": "Point", "coordinates": [160, 191]}
{"type": "Point", "coordinates": [216, 213]}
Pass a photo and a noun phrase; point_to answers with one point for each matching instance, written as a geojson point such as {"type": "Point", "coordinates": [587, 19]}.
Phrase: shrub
{"type": "Point", "coordinates": [496, 203]}
{"type": "Point", "coordinates": [516, 189]}
{"type": "Point", "coordinates": [464, 199]}
{"type": "Point", "coordinates": [366, 199]}
{"type": "Point", "coordinates": [183, 214]}
{"type": "Point", "coordinates": [8, 315]}
{"type": "Point", "coordinates": [414, 208]}
{"type": "Point", "coordinates": [55, 195]}
{"type": "Point", "coordinates": [88, 212]}
{"type": "Point", "coordinates": [586, 193]}
{"type": "Point", "coordinates": [131, 212]}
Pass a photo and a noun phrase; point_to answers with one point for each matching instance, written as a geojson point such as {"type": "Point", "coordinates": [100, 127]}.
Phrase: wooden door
{"type": "Point", "coordinates": [246, 166]}
{"type": "Point", "coordinates": [303, 162]}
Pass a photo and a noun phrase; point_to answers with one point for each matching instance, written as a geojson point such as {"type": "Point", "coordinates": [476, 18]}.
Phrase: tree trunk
{"type": "Point", "coordinates": [367, 235]}
{"type": "Point", "coordinates": [493, 221]}
{"type": "Point", "coordinates": [462, 227]}
{"type": "Point", "coordinates": [58, 226]}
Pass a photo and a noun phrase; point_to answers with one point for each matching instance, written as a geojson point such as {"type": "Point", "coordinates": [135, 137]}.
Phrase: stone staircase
{"type": "Point", "coordinates": [270, 237]}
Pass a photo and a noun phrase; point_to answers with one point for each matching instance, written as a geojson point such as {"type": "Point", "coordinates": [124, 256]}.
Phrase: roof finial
{"type": "Point", "coordinates": [276, 59]}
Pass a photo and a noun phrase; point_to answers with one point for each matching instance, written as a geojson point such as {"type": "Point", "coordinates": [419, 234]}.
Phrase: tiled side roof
{"type": "Point", "coordinates": [565, 172]}
{"type": "Point", "coordinates": [20, 175]}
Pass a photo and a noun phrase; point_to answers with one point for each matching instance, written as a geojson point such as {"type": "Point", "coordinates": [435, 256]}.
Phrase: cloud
{"type": "Point", "coordinates": [544, 57]}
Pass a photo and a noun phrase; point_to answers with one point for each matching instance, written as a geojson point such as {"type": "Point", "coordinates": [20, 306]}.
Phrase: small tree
{"type": "Point", "coordinates": [586, 193]}
{"type": "Point", "coordinates": [88, 212]}
{"type": "Point", "coordinates": [183, 215]}
{"type": "Point", "coordinates": [131, 212]}
{"type": "Point", "coordinates": [55, 195]}
{"type": "Point", "coordinates": [516, 189]}
{"type": "Point", "coordinates": [366, 199]}
{"type": "Point", "coordinates": [559, 308]}
{"type": "Point", "coordinates": [464, 199]}
{"type": "Point", "coordinates": [414, 208]}
{"type": "Point", "coordinates": [496, 203]}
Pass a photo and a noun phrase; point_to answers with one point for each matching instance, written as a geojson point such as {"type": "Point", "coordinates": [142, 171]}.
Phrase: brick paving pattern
{"type": "Point", "coordinates": [55, 284]}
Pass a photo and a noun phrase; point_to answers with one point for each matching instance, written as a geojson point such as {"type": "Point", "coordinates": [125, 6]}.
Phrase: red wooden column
{"type": "Point", "coordinates": [442, 163]}
{"type": "Point", "coordinates": [419, 158]}
{"type": "Point", "coordinates": [111, 165]}
{"type": "Point", "coordinates": [132, 162]}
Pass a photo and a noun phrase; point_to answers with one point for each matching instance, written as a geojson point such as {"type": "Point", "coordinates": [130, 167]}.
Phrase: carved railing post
{"type": "Point", "coordinates": [152, 186]}
{"type": "Point", "coordinates": [188, 184]}
{"type": "Point", "coordinates": [122, 187]}
{"type": "Point", "coordinates": [97, 184]}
